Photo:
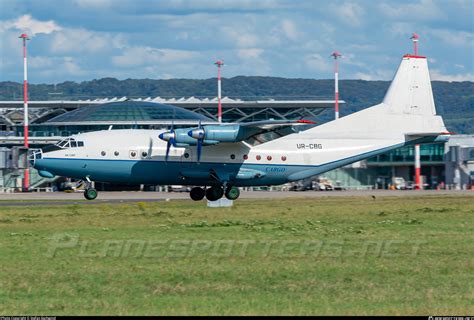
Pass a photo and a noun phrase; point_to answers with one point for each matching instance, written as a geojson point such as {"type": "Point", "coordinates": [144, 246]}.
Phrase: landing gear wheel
{"type": "Point", "coordinates": [90, 194]}
{"type": "Point", "coordinates": [197, 193]}
{"type": "Point", "coordinates": [214, 193]}
{"type": "Point", "coordinates": [232, 193]}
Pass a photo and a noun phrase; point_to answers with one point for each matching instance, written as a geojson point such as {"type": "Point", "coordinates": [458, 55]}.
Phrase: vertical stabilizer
{"type": "Point", "coordinates": [410, 91]}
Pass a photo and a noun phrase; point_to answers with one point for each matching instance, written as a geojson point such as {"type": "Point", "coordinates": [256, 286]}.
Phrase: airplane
{"type": "Point", "coordinates": [219, 158]}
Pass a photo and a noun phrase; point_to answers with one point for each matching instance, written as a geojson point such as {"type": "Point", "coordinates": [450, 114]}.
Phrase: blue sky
{"type": "Point", "coordinates": [81, 40]}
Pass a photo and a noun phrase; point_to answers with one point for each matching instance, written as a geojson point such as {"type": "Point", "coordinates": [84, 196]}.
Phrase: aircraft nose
{"type": "Point", "coordinates": [33, 155]}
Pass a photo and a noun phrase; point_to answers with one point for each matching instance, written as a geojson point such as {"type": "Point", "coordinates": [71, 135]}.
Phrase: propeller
{"type": "Point", "coordinates": [199, 135]}
{"type": "Point", "coordinates": [170, 138]}
{"type": "Point", "coordinates": [200, 139]}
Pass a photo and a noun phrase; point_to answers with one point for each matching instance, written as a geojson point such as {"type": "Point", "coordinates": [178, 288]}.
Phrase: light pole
{"type": "Point", "coordinates": [219, 64]}
{"type": "Point", "coordinates": [336, 55]}
{"type": "Point", "coordinates": [418, 184]}
{"type": "Point", "coordinates": [415, 38]}
{"type": "Point", "coordinates": [26, 178]}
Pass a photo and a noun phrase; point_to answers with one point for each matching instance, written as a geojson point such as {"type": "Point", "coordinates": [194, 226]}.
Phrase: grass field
{"type": "Point", "coordinates": [325, 256]}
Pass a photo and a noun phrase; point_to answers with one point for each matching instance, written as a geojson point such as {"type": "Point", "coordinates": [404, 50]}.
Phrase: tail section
{"type": "Point", "coordinates": [408, 108]}
{"type": "Point", "coordinates": [410, 91]}
{"type": "Point", "coordinates": [407, 115]}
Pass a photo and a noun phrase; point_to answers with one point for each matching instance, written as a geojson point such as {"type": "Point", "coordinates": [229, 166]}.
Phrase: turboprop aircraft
{"type": "Point", "coordinates": [219, 158]}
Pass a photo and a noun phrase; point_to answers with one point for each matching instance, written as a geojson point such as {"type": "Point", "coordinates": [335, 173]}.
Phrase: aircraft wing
{"type": "Point", "coordinates": [428, 134]}
{"type": "Point", "coordinates": [427, 137]}
{"type": "Point", "coordinates": [262, 131]}
{"type": "Point", "coordinates": [268, 125]}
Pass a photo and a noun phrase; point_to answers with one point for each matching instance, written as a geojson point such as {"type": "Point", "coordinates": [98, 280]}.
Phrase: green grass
{"type": "Point", "coordinates": [324, 256]}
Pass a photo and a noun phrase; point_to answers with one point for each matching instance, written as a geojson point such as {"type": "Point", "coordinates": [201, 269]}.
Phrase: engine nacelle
{"type": "Point", "coordinates": [182, 139]}
{"type": "Point", "coordinates": [225, 133]}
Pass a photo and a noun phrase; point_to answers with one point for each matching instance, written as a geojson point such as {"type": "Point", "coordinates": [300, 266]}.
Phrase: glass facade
{"type": "Point", "coordinates": [127, 111]}
{"type": "Point", "coordinates": [428, 153]}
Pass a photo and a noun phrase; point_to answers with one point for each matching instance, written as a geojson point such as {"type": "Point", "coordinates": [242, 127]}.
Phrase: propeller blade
{"type": "Point", "coordinates": [199, 149]}
{"type": "Point", "coordinates": [168, 146]}
{"type": "Point", "coordinates": [170, 135]}
{"type": "Point", "coordinates": [199, 141]}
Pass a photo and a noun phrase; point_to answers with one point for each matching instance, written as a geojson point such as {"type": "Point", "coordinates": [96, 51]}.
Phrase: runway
{"type": "Point", "coordinates": [64, 198]}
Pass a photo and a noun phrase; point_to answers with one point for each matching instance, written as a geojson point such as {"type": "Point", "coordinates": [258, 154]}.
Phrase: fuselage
{"type": "Point", "coordinates": [138, 157]}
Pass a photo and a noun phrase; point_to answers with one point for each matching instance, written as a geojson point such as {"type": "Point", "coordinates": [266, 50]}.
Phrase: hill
{"type": "Point", "coordinates": [454, 100]}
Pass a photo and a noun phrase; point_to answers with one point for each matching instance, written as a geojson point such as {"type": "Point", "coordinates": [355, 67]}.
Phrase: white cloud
{"type": "Point", "coordinates": [71, 67]}
{"type": "Point", "coordinates": [289, 29]}
{"type": "Point", "coordinates": [240, 37]}
{"type": "Point", "coordinates": [352, 59]}
{"type": "Point", "coordinates": [349, 12]}
{"type": "Point", "coordinates": [316, 62]}
{"type": "Point", "coordinates": [453, 37]}
{"type": "Point", "coordinates": [402, 29]}
{"type": "Point", "coordinates": [380, 74]}
{"type": "Point", "coordinates": [224, 4]}
{"type": "Point", "coordinates": [438, 75]}
{"type": "Point", "coordinates": [38, 62]}
{"type": "Point", "coordinates": [251, 53]}
{"type": "Point", "coordinates": [414, 11]}
{"type": "Point", "coordinates": [81, 40]}
{"type": "Point", "coordinates": [137, 56]}
{"type": "Point", "coordinates": [30, 26]}
{"type": "Point", "coordinates": [94, 4]}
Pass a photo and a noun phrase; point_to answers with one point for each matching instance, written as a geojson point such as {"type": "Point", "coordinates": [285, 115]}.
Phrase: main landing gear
{"type": "Point", "coordinates": [214, 193]}
{"type": "Point", "coordinates": [89, 192]}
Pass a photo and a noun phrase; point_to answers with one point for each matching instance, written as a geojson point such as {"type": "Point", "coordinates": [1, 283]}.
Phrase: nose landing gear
{"type": "Point", "coordinates": [89, 193]}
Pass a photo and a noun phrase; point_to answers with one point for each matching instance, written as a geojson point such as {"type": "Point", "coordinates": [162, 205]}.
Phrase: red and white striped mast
{"type": "Point", "coordinates": [336, 55]}
{"type": "Point", "coordinates": [26, 178]}
{"type": "Point", "coordinates": [219, 64]}
{"type": "Point", "coordinates": [418, 184]}
{"type": "Point", "coordinates": [415, 38]}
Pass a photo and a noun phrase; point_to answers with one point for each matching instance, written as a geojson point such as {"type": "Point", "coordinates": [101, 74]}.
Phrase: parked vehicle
{"type": "Point", "coordinates": [399, 183]}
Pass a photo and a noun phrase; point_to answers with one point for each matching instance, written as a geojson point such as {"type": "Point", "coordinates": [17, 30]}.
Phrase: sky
{"type": "Point", "coordinates": [80, 40]}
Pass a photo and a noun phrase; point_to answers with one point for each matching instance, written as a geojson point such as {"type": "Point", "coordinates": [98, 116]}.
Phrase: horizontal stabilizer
{"type": "Point", "coordinates": [428, 134]}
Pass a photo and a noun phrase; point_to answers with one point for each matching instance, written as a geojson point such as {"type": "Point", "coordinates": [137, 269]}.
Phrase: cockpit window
{"type": "Point", "coordinates": [69, 143]}
{"type": "Point", "coordinates": [63, 143]}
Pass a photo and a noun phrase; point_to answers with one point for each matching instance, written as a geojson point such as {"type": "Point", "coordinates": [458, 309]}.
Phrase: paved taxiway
{"type": "Point", "coordinates": [62, 198]}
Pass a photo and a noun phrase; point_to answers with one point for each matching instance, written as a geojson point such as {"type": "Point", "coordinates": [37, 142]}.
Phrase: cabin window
{"type": "Point", "coordinates": [283, 158]}
{"type": "Point", "coordinates": [186, 155]}
{"type": "Point", "coordinates": [133, 154]}
{"type": "Point", "coordinates": [144, 154]}
{"type": "Point", "coordinates": [80, 143]}
{"type": "Point", "coordinates": [103, 153]}
{"type": "Point", "coordinates": [258, 157]}
{"type": "Point", "coordinates": [245, 157]}
{"type": "Point", "coordinates": [116, 153]}
{"type": "Point", "coordinates": [269, 158]}
{"type": "Point", "coordinates": [232, 156]}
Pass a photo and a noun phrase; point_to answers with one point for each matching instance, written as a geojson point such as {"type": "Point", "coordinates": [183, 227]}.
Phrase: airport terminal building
{"type": "Point", "coordinates": [449, 165]}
